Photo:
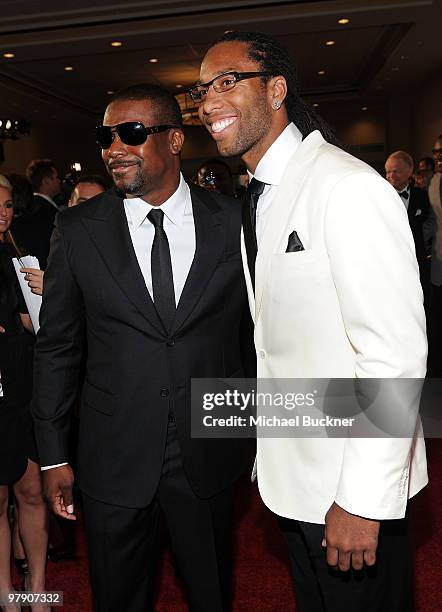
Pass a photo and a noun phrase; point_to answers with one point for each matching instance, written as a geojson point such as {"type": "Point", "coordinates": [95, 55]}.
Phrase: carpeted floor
{"type": "Point", "coordinates": [262, 581]}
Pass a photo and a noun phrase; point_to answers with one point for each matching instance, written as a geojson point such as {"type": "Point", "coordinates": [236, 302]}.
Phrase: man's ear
{"type": "Point", "coordinates": [176, 141]}
{"type": "Point", "coordinates": [277, 88]}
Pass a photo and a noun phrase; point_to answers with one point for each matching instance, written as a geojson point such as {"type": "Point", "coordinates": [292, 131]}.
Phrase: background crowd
{"type": "Point", "coordinates": [28, 207]}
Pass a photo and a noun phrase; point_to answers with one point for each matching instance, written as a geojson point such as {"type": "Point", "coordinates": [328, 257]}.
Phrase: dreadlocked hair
{"type": "Point", "coordinates": [273, 57]}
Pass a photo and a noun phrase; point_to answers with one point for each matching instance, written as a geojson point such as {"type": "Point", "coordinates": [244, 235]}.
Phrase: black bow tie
{"type": "Point", "coordinates": [404, 194]}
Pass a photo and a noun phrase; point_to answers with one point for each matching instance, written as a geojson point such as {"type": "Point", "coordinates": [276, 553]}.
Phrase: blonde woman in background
{"type": "Point", "coordinates": [18, 456]}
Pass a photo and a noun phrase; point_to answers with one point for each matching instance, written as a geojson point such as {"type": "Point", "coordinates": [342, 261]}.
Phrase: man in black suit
{"type": "Point", "coordinates": [151, 270]}
{"type": "Point", "coordinates": [33, 229]}
{"type": "Point", "coordinates": [398, 170]}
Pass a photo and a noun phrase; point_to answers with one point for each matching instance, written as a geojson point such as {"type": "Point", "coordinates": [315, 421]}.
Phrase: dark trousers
{"type": "Point", "coordinates": [385, 587]}
{"type": "Point", "coordinates": [434, 326]}
{"type": "Point", "coordinates": [122, 543]}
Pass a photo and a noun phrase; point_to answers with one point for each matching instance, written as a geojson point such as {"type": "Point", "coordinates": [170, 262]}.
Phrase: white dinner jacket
{"type": "Point", "coordinates": [349, 305]}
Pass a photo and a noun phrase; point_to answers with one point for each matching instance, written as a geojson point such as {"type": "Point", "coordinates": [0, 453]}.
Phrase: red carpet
{"type": "Point", "coordinates": [262, 576]}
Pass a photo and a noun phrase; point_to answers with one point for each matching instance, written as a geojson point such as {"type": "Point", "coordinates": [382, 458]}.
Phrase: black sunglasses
{"type": "Point", "coordinates": [131, 133]}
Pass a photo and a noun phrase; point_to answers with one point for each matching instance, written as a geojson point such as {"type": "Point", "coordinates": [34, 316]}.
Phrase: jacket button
{"type": "Point", "coordinates": [262, 354]}
{"type": "Point", "coordinates": [171, 342]}
{"type": "Point", "coordinates": [164, 393]}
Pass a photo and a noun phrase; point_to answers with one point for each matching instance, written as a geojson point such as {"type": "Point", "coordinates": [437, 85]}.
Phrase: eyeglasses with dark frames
{"type": "Point", "coordinates": [132, 133]}
{"type": "Point", "coordinates": [223, 82]}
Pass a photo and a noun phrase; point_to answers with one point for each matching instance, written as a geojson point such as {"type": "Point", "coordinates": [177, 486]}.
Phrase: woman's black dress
{"type": "Point", "coordinates": [17, 442]}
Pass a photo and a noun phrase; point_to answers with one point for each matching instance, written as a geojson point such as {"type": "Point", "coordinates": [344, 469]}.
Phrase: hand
{"type": "Point", "coordinates": [57, 485]}
{"type": "Point", "coordinates": [350, 539]}
{"type": "Point", "coordinates": [34, 277]}
{"type": "Point", "coordinates": [2, 329]}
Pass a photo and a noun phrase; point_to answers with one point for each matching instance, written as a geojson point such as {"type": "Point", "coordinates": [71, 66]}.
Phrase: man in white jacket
{"type": "Point", "coordinates": [334, 289]}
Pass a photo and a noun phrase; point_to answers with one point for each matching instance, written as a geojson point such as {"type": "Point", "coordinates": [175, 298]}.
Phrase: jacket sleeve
{"type": "Point", "coordinates": [375, 272]}
{"type": "Point", "coordinates": [58, 353]}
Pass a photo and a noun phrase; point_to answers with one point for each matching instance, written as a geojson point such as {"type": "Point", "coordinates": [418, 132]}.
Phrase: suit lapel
{"type": "Point", "coordinates": [210, 245]}
{"type": "Point", "coordinates": [281, 210]}
{"type": "Point", "coordinates": [108, 229]}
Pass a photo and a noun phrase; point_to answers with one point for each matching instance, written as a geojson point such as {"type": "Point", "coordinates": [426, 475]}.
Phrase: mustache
{"type": "Point", "coordinates": [123, 163]}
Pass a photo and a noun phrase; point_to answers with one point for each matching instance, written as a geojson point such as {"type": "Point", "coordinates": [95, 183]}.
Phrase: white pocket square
{"type": "Point", "coordinates": [418, 212]}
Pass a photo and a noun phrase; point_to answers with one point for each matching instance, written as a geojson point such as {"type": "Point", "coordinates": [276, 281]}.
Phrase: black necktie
{"type": "Point", "coordinates": [161, 266]}
{"type": "Point", "coordinates": [254, 190]}
{"type": "Point", "coordinates": [404, 194]}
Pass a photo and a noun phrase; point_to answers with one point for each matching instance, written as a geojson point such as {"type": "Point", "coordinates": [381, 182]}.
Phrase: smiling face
{"type": "Point", "coordinates": [241, 120]}
{"type": "Point", "coordinates": [150, 170]}
{"type": "Point", "coordinates": [437, 154]}
{"type": "Point", "coordinates": [397, 172]}
{"type": "Point", "coordinates": [6, 211]}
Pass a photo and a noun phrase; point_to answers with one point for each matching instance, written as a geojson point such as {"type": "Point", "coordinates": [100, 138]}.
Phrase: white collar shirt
{"type": "Point", "coordinates": [270, 170]}
{"type": "Point", "coordinates": [179, 228]}
{"type": "Point", "coordinates": [406, 201]}
{"type": "Point", "coordinates": [47, 198]}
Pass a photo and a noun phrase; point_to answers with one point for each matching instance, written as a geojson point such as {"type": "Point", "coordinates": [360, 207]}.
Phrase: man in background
{"type": "Point", "coordinates": [435, 235]}
{"type": "Point", "coordinates": [216, 175]}
{"type": "Point", "coordinates": [33, 229]}
{"type": "Point", "coordinates": [86, 187]}
{"type": "Point", "coordinates": [426, 168]}
{"type": "Point", "coordinates": [398, 171]}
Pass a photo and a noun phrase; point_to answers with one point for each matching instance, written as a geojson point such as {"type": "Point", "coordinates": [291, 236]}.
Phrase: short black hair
{"type": "Point", "coordinates": [167, 108]}
{"type": "Point", "coordinates": [38, 170]}
{"type": "Point", "coordinates": [95, 179]}
{"type": "Point", "coordinates": [272, 57]}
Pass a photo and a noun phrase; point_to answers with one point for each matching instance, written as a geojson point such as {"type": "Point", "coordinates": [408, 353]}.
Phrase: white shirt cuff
{"type": "Point", "coordinates": [49, 467]}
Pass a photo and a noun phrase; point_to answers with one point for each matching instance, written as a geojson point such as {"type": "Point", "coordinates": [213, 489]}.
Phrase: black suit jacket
{"type": "Point", "coordinates": [136, 372]}
{"type": "Point", "coordinates": [32, 230]}
{"type": "Point", "coordinates": [418, 211]}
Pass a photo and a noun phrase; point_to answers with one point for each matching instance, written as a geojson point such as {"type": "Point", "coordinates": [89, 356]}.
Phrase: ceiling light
{"type": "Point", "coordinates": [68, 68]}
{"type": "Point", "coordinates": [364, 108]}
{"type": "Point", "coordinates": [116, 43]}
{"type": "Point", "coordinates": [178, 86]}
{"type": "Point", "coordinates": [316, 105]}
{"type": "Point", "coordinates": [321, 72]}
{"type": "Point", "coordinates": [109, 92]}
{"type": "Point", "coordinates": [330, 43]}
{"type": "Point", "coordinates": [8, 55]}
{"type": "Point", "coordinates": [343, 21]}
{"type": "Point", "coordinates": [153, 60]}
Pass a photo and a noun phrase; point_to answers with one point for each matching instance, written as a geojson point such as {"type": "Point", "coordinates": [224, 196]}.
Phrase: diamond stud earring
{"type": "Point", "coordinates": [276, 104]}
